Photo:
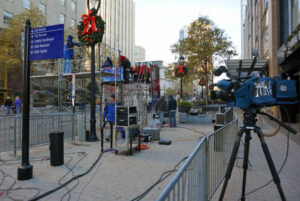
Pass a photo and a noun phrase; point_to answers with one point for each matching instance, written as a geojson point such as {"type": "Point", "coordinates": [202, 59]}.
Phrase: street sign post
{"type": "Point", "coordinates": [47, 42]}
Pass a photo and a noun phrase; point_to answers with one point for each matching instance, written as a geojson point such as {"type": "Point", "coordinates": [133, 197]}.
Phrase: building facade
{"type": "Point", "coordinates": [271, 28]}
{"type": "Point", "coordinates": [139, 53]}
{"type": "Point", "coordinates": [66, 12]}
{"type": "Point", "coordinates": [119, 16]}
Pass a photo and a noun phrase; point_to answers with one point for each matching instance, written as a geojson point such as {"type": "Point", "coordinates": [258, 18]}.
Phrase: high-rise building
{"type": "Point", "coordinates": [119, 16]}
{"type": "Point", "coordinates": [183, 33]}
{"type": "Point", "coordinates": [271, 28]}
{"type": "Point", "coordinates": [139, 53]}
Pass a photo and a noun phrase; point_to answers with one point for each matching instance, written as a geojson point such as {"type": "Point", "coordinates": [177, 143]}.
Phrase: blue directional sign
{"type": "Point", "coordinates": [47, 42]}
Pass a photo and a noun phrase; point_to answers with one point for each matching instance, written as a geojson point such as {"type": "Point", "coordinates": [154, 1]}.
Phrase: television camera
{"type": "Point", "coordinates": [251, 93]}
{"type": "Point", "coordinates": [255, 91]}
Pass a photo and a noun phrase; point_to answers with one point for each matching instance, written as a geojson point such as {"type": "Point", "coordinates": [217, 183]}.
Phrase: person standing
{"type": "Point", "coordinates": [109, 115]}
{"type": "Point", "coordinates": [69, 54]}
{"type": "Point", "coordinates": [8, 104]}
{"type": "Point", "coordinates": [161, 108]}
{"type": "Point", "coordinates": [18, 104]}
{"type": "Point", "coordinates": [172, 106]}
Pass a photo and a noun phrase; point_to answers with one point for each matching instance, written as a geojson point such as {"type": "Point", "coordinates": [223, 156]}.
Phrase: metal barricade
{"type": "Point", "coordinates": [40, 127]}
{"type": "Point", "coordinates": [189, 182]}
{"type": "Point", "coordinates": [219, 147]}
{"type": "Point", "coordinates": [203, 172]}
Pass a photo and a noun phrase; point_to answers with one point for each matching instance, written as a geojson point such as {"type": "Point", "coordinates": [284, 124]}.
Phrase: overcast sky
{"type": "Point", "coordinates": [158, 22]}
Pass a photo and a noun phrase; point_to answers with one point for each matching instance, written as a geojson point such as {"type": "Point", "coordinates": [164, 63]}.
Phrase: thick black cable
{"type": "Point", "coordinates": [91, 179]}
{"type": "Point", "coordinates": [73, 175]}
{"type": "Point", "coordinates": [69, 181]}
{"type": "Point", "coordinates": [15, 189]}
{"type": "Point", "coordinates": [163, 176]}
{"type": "Point", "coordinates": [284, 162]}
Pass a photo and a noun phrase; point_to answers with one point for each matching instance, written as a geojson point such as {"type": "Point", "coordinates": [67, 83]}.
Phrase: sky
{"type": "Point", "coordinates": [158, 22]}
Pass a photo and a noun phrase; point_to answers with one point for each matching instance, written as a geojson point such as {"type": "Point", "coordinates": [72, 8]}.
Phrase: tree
{"type": "Point", "coordinates": [204, 44]}
{"type": "Point", "coordinates": [10, 42]}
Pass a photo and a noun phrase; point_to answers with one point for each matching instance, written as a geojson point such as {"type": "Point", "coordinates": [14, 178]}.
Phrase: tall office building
{"type": "Point", "coordinates": [119, 16]}
{"type": "Point", "coordinates": [183, 33]}
{"type": "Point", "coordinates": [272, 29]}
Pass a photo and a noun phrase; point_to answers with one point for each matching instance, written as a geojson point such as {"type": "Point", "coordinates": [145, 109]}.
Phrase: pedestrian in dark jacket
{"type": "Point", "coordinates": [8, 104]}
{"type": "Point", "coordinates": [161, 107]}
{"type": "Point", "coordinates": [172, 106]}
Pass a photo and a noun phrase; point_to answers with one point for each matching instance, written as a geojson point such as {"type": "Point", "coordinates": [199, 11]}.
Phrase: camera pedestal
{"type": "Point", "coordinates": [249, 125]}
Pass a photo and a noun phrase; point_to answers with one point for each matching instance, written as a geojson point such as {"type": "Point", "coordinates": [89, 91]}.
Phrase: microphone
{"type": "Point", "coordinates": [219, 71]}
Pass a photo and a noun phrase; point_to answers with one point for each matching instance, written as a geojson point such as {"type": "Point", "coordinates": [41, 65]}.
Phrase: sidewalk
{"type": "Point", "coordinates": [116, 177]}
{"type": "Point", "coordinates": [259, 174]}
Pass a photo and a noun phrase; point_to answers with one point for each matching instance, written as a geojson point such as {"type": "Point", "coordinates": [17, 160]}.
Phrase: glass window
{"type": "Point", "coordinates": [42, 7]}
{"type": "Point", "coordinates": [26, 4]}
{"type": "Point", "coordinates": [72, 23]}
{"type": "Point", "coordinates": [11, 0]}
{"type": "Point", "coordinates": [61, 18]}
{"type": "Point", "coordinates": [62, 2]}
{"type": "Point", "coordinates": [6, 17]}
{"type": "Point", "coordinates": [73, 6]}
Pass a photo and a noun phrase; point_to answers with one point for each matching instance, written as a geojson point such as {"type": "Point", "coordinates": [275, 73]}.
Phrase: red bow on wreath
{"type": "Point", "coordinates": [87, 20]}
{"type": "Point", "coordinates": [180, 70]}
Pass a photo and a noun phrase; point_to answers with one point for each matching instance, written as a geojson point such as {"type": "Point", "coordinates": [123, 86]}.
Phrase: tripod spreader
{"type": "Point", "coordinates": [280, 123]}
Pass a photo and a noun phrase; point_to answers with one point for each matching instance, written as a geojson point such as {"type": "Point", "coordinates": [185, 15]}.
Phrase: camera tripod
{"type": "Point", "coordinates": [249, 125]}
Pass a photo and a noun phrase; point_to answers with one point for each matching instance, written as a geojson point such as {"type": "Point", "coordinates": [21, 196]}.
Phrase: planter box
{"type": "Point", "coordinates": [183, 117]}
{"type": "Point", "coordinates": [202, 118]}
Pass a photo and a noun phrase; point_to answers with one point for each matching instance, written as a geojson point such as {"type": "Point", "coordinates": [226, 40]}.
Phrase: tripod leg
{"type": "Point", "coordinates": [270, 162]}
{"type": "Point", "coordinates": [231, 162]}
{"type": "Point", "coordinates": [245, 162]}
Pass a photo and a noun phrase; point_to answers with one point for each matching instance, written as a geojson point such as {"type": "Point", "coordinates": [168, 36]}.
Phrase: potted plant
{"type": "Point", "coordinates": [184, 106]}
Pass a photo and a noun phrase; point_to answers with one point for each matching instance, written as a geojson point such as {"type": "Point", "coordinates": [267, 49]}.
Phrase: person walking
{"type": "Point", "coordinates": [18, 104]}
{"type": "Point", "coordinates": [172, 106]}
{"type": "Point", "coordinates": [161, 108]}
{"type": "Point", "coordinates": [109, 116]}
{"type": "Point", "coordinates": [8, 104]}
{"type": "Point", "coordinates": [69, 54]}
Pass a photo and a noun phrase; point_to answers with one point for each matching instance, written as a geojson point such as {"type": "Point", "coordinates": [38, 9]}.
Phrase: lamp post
{"type": "Point", "coordinates": [93, 137]}
{"type": "Point", "coordinates": [181, 62]}
{"type": "Point", "coordinates": [25, 170]}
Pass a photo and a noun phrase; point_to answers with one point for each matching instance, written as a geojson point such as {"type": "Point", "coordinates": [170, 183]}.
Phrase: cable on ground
{"type": "Point", "coordinates": [69, 181]}
{"type": "Point", "coordinates": [163, 176]}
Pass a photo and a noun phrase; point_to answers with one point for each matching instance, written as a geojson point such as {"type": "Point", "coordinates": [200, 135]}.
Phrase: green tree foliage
{"type": "Point", "coordinates": [204, 44]}
{"type": "Point", "coordinates": [10, 38]}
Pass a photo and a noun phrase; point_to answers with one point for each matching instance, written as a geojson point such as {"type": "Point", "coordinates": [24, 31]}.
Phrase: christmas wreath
{"type": "Point", "coordinates": [180, 71]}
{"type": "Point", "coordinates": [91, 28]}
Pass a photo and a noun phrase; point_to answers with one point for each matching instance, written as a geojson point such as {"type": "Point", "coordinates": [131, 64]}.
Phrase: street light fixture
{"type": "Point", "coordinates": [181, 62]}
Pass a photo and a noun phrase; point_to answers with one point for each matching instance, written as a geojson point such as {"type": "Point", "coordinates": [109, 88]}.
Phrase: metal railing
{"type": "Point", "coordinates": [203, 172]}
{"type": "Point", "coordinates": [40, 127]}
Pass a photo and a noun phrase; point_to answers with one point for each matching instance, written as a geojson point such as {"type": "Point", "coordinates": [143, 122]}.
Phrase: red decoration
{"type": "Point", "coordinates": [92, 27]}
{"type": "Point", "coordinates": [88, 20]}
{"type": "Point", "coordinates": [180, 71]}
